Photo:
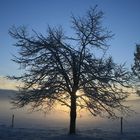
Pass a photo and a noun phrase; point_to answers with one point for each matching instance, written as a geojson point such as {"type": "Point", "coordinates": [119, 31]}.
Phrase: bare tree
{"type": "Point", "coordinates": [63, 69]}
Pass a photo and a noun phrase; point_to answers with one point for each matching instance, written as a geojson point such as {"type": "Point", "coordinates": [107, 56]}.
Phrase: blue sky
{"type": "Point", "coordinates": [122, 17]}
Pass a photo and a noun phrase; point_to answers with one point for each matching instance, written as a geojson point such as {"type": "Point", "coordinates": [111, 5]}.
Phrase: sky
{"type": "Point", "coordinates": [122, 17]}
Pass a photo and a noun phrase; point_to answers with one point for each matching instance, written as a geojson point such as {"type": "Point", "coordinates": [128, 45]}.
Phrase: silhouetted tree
{"type": "Point", "coordinates": [136, 69]}
{"type": "Point", "coordinates": [58, 68]}
{"type": "Point", "coordinates": [136, 66]}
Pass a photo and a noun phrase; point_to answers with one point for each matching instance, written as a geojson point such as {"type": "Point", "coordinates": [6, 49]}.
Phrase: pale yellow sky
{"type": "Point", "coordinates": [7, 84]}
{"type": "Point", "coordinates": [12, 85]}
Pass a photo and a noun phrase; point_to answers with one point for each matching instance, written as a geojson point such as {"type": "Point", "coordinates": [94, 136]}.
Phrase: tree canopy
{"type": "Point", "coordinates": [64, 69]}
{"type": "Point", "coordinates": [136, 66]}
{"type": "Point", "coordinates": [136, 69]}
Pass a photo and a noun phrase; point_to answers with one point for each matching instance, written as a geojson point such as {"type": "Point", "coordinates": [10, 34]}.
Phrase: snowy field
{"type": "Point", "coordinates": [55, 126]}
{"type": "Point", "coordinates": [61, 134]}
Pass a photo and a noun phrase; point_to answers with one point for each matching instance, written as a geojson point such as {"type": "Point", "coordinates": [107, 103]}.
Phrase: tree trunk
{"type": "Point", "coordinates": [73, 115]}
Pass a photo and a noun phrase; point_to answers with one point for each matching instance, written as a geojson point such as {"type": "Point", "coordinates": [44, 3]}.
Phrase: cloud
{"type": "Point", "coordinates": [8, 84]}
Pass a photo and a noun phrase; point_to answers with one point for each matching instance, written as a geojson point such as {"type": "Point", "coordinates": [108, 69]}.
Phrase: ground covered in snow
{"type": "Point", "coordinates": [54, 126]}
{"type": "Point", "coordinates": [7, 133]}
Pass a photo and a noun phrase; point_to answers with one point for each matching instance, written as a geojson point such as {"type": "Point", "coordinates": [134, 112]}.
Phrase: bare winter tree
{"type": "Point", "coordinates": [63, 69]}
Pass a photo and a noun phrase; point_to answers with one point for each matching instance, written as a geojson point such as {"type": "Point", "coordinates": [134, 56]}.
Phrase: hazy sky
{"type": "Point", "coordinates": [122, 17]}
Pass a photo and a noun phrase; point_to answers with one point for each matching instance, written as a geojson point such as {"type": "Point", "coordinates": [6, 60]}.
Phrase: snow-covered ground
{"type": "Point", "coordinates": [54, 126]}
{"type": "Point", "coordinates": [7, 133]}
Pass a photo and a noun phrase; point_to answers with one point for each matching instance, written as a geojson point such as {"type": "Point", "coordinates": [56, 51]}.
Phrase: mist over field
{"type": "Point", "coordinates": [55, 124]}
{"type": "Point", "coordinates": [60, 118]}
